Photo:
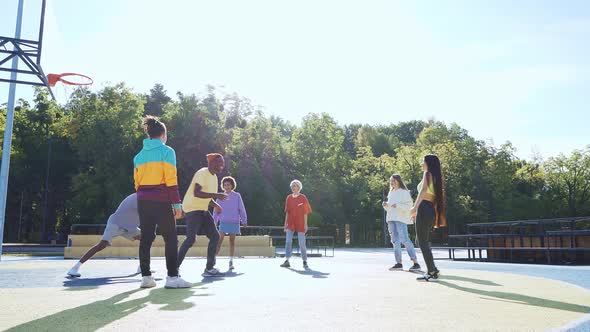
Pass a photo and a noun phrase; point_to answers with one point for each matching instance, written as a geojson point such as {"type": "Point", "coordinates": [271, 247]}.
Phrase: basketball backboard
{"type": "Point", "coordinates": [27, 47]}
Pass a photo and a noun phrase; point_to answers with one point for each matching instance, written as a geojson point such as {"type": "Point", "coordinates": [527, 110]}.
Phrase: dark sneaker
{"type": "Point", "coordinates": [396, 267]}
{"type": "Point", "coordinates": [213, 272]}
{"type": "Point", "coordinates": [428, 277]}
{"type": "Point", "coordinates": [305, 266]}
{"type": "Point", "coordinates": [286, 264]}
{"type": "Point", "coordinates": [416, 267]}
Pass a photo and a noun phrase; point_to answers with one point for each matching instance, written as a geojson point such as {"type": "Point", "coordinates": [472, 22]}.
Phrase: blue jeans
{"type": "Point", "coordinates": [289, 244]}
{"type": "Point", "coordinates": [398, 231]}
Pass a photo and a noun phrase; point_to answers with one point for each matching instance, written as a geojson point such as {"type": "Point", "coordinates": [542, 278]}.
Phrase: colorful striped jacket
{"type": "Point", "coordinates": [155, 173]}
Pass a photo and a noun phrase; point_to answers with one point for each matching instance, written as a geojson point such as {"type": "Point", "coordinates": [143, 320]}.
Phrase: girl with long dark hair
{"type": "Point", "coordinates": [429, 211]}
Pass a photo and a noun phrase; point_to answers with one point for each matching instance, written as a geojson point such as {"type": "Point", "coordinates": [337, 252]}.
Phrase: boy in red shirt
{"type": "Point", "coordinates": [296, 210]}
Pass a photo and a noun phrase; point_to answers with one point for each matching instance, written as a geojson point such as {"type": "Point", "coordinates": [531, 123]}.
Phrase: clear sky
{"type": "Point", "coordinates": [514, 71]}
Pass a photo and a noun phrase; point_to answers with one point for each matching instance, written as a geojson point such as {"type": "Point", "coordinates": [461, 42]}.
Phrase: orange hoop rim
{"type": "Point", "coordinates": [52, 79]}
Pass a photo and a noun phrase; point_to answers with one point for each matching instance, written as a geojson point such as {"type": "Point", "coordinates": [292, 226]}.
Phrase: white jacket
{"type": "Point", "coordinates": [403, 201]}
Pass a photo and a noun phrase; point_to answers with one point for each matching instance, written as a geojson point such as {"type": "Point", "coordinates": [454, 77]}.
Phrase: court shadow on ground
{"type": "Point", "coordinates": [95, 315]}
{"type": "Point", "coordinates": [77, 283]}
{"type": "Point", "coordinates": [472, 280]}
{"type": "Point", "coordinates": [310, 272]}
{"type": "Point", "coordinates": [226, 275]}
{"type": "Point", "coordinates": [512, 297]}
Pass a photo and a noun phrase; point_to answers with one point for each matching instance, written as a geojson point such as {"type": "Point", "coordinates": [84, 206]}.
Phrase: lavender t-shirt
{"type": "Point", "coordinates": [126, 215]}
{"type": "Point", "coordinates": [233, 210]}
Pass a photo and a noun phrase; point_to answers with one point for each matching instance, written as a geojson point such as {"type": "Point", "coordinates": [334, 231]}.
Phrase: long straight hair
{"type": "Point", "coordinates": [433, 164]}
{"type": "Point", "coordinates": [399, 180]}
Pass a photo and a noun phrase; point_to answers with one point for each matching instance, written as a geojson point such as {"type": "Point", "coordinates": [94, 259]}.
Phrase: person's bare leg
{"type": "Point", "coordinates": [221, 236]}
{"type": "Point", "coordinates": [232, 245]}
{"type": "Point", "coordinates": [73, 272]}
{"type": "Point", "coordinates": [92, 251]}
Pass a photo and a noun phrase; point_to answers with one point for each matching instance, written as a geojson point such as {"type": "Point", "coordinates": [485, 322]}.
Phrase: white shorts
{"type": "Point", "coordinates": [112, 231]}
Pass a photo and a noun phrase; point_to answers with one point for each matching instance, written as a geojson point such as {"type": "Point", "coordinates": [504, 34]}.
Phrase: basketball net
{"type": "Point", "coordinates": [66, 83]}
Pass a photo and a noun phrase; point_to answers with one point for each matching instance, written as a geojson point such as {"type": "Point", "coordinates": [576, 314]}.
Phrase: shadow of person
{"type": "Point", "coordinates": [212, 279]}
{"type": "Point", "coordinates": [310, 272]}
{"type": "Point", "coordinates": [232, 274]}
{"type": "Point", "coordinates": [175, 299]}
{"type": "Point", "coordinates": [95, 315]}
{"type": "Point", "coordinates": [519, 298]}
{"type": "Point", "coordinates": [95, 282]}
{"type": "Point", "coordinates": [472, 280]}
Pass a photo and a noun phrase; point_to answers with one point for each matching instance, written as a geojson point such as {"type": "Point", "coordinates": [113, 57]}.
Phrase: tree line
{"type": "Point", "coordinates": [72, 163]}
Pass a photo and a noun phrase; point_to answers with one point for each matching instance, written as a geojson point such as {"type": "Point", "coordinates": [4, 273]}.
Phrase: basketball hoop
{"type": "Point", "coordinates": [70, 79]}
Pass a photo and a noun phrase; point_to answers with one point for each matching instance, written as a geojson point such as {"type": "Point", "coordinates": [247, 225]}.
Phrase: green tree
{"type": "Point", "coordinates": [257, 158]}
{"type": "Point", "coordinates": [156, 101]}
{"type": "Point", "coordinates": [321, 164]}
{"type": "Point", "coordinates": [568, 180]}
{"type": "Point", "coordinates": [194, 130]}
{"type": "Point", "coordinates": [105, 133]}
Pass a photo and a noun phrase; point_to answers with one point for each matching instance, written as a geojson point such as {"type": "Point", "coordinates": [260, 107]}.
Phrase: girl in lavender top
{"type": "Point", "coordinates": [230, 216]}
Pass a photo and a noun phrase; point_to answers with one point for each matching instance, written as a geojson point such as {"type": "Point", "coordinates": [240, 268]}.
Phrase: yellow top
{"type": "Point", "coordinates": [429, 188]}
{"type": "Point", "coordinates": [208, 183]}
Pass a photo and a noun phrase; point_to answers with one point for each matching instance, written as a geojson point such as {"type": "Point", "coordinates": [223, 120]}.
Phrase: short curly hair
{"type": "Point", "coordinates": [230, 180]}
{"type": "Point", "coordinates": [298, 183]}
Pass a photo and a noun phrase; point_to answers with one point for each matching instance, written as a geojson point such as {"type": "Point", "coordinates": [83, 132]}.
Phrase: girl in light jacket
{"type": "Point", "coordinates": [398, 205]}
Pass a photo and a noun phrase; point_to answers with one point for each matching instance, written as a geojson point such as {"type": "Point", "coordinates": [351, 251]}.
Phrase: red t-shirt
{"type": "Point", "coordinates": [296, 208]}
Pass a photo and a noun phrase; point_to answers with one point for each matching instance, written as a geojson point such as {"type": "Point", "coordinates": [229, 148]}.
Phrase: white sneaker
{"type": "Point", "coordinates": [177, 282]}
{"type": "Point", "coordinates": [231, 265]}
{"type": "Point", "coordinates": [148, 282]}
{"type": "Point", "coordinates": [73, 272]}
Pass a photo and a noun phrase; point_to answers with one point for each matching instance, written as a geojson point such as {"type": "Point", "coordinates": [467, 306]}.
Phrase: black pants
{"type": "Point", "coordinates": [200, 222]}
{"type": "Point", "coordinates": [424, 222]}
{"type": "Point", "coordinates": [150, 215]}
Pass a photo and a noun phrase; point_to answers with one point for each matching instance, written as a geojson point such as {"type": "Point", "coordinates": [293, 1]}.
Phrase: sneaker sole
{"type": "Point", "coordinates": [74, 275]}
{"type": "Point", "coordinates": [150, 286]}
{"type": "Point", "coordinates": [428, 280]}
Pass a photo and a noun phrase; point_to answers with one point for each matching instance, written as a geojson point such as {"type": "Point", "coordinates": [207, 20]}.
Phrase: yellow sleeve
{"type": "Point", "coordinates": [199, 178]}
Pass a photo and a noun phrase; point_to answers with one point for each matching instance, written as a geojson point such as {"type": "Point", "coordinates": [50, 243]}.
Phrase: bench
{"type": "Point", "coordinates": [530, 240]}
{"type": "Point", "coordinates": [519, 240]}
{"type": "Point", "coordinates": [471, 251]}
{"type": "Point", "coordinates": [576, 237]}
{"type": "Point", "coordinates": [83, 236]}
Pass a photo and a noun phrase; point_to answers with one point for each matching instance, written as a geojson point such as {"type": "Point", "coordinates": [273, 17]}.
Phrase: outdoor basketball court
{"type": "Point", "coordinates": [352, 291]}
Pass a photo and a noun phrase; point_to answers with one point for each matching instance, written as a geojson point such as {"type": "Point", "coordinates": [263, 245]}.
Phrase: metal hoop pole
{"type": "Point", "coordinates": [7, 145]}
